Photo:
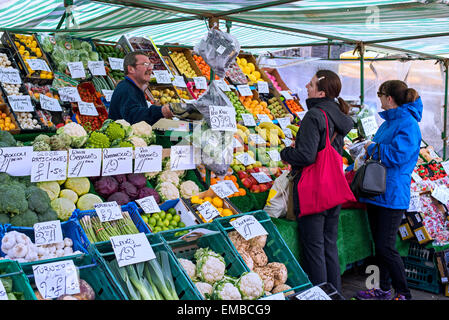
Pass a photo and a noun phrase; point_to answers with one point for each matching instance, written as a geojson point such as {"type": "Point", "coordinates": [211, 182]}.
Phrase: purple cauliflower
{"type": "Point", "coordinates": [120, 197]}
{"type": "Point", "coordinates": [146, 192]}
{"type": "Point", "coordinates": [129, 189]}
{"type": "Point", "coordinates": [137, 179]}
{"type": "Point", "coordinates": [106, 186]}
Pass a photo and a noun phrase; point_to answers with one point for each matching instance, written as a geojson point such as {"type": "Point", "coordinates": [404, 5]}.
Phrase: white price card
{"type": "Point", "coordinates": [245, 159]}
{"type": "Point", "coordinates": [84, 163]}
{"type": "Point", "coordinates": [3, 294]}
{"type": "Point", "coordinates": [286, 95]}
{"type": "Point", "coordinates": [301, 114]}
{"type": "Point", "coordinates": [248, 227]}
{"type": "Point", "coordinates": [236, 143]}
{"type": "Point", "coordinates": [222, 118]}
{"type": "Point", "coordinates": [248, 120]}
{"type": "Point", "coordinates": [69, 94]}
{"type": "Point", "coordinates": [116, 63]}
{"type": "Point", "coordinates": [231, 185]}
{"type": "Point", "coordinates": [48, 166]}
{"type": "Point", "coordinates": [314, 293]}
{"type": "Point", "coordinates": [403, 231]}
{"type": "Point", "coordinates": [96, 68]}
{"type": "Point", "coordinates": [38, 64]}
{"type": "Point", "coordinates": [287, 142]}
{"type": "Point", "coordinates": [244, 90]}
{"type": "Point", "coordinates": [221, 49]}
{"type": "Point", "coordinates": [263, 118]}
{"type": "Point", "coordinates": [131, 249]}
{"type": "Point", "coordinates": [181, 158]}
{"type": "Point", "coordinates": [108, 211]}
{"type": "Point", "coordinates": [107, 94]}
{"type": "Point", "coordinates": [16, 161]}
{"type": "Point", "coordinates": [416, 177]}
{"type": "Point", "coordinates": [261, 177]}
{"type": "Point", "coordinates": [162, 76]}
{"type": "Point", "coordinates": [445, 165]}
{"type": "Point", "coordinates": [56, 279]}
{"type": "Point", "coordinates": [257, 139]}
{"type": "Point", "coordinates": [288, 133]}
{"type": "Point", "coordinates": [262, 87]}
{"type": "Point", "coordinates": [208, 211]}
{"type": "Point", "coordinates": [284, 122]}
{"type": "Point", "coordinates": [148, 204]}
{"type": "Point", "coordinates": [223, 85]}
{"type": "Point", "coordinates": [274, 155]}
{"type": "Point", "coordinates": [369, 125]}
{"type": "Point", "coordinates": [21, 103]}
{"type": "Point", "coordinates": [148, 159]}
{"type": "Point", "coordinates": [48, 103]}
{"type": "Point", "coordinates": [179, 82]}
{"type": "Point", "coordinates": [200, 82]}
{"type": "Point", "coordinates": [441, 193]}
{"type": "Point", "coordinates": [47, 232]}
{"type": "Point", "coordinates": [10, 76]}
{"type": "Point", "coordinates": [87, 109]}
{"type": "Point", "coordinates": [221, 189]}
{"type": "Point", "coordinates": [76, 69]}
{"type": "Point", "coordinates": [117, 161]}
{"type": "Point", "coordinates": [415, 202]}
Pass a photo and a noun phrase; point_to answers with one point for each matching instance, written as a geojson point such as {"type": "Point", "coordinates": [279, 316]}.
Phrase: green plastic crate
{"type": "Point", "coordinates": [276, 249]}
{"type": "Point", "coordinates": [104, 253]}
{"type": "Point", "coordinates": [215, 240]}
{"type": "Point", "coordinates": [422, 277]}
{"type": "Point", "coordinates": [90, 271]}
{"type": "Point", "coordinates": [19, 279]}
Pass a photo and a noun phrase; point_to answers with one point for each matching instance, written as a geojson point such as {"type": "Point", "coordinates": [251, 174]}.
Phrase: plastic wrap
{"type": "Point", "coordinates": [218, 49]}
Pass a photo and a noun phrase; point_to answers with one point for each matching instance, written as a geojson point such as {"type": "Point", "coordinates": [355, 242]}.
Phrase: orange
{"type": "Point", "coordinates": [220, 210]}
{"type": "Point", "coordinates": [242, 192]}
{"type": "Point", "coordinates": [217, 202]}
{"type": "Point", "coordinates": [233, 178]}
{"type": "Point", "coordinates": [213, 181]}
{"type": "Point", "coordinates": [227, 213]}
{"type": "Point", "coordinates": [207, 199]}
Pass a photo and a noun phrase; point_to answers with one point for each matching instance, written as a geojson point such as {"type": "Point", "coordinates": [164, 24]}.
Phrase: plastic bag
{"type": "Point", "coordinates": [277, 201]}
{"type": "Point", "coordinates": [360, 160]}
{"type": "Point", "coordinates": [366, 112]}
{"type": "Point", "coordinates": [356, 148]}
{"type": "Point", "coordinates": [218, 50]}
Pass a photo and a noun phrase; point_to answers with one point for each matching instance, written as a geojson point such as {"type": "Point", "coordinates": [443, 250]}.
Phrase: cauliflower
{"type": "Point", "coordinates": [142, 128]}
{"type": "Point", "coordinates": [51, 187]}
{"type": "Point", "coordinates": [137, 141]}
{"type": "Point", "coordinates": [169, 176]}
{"type": "Point", "coordinates": [79, 185]}
{"type": "Point", "coordinates": [69, 194]}
{"type": "Point", "coordinates": [210, 266]}
{"type": "Point", "coordinates": [189, 267]}
{"type": "Point", "coordinates": [250, 286]}
{"type": "Point", "coordinates": [225, 290]}
{"type": "Point", "coordinates": [189, 189]}
{"type": "Point", "coordinates": [63, 207]}
{"type": "Point", "coordinates": [204, 288]}
{"type": "Point", "coordinates": [180, 173]}
{"type": "Point", "coordinates": [87, 201]}
{"type": "Point", "coordinates": [76, 132]}
{"type": "Point", "coordinates": [167, 191]}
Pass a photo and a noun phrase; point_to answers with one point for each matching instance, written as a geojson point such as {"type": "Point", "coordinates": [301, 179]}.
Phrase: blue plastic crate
{"type": "Point", "coordinates": [70, 229]}
{"type": "Point", "coordinates": [131, 208]}
{"type": "Point", "coordinates": [275, 248]}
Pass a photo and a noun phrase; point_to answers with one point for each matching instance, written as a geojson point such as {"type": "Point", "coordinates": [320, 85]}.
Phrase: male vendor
{"type": "Point", "coordinates": [128, 100]}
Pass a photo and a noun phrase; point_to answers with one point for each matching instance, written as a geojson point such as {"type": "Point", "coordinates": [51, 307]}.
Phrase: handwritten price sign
{"type": "Point", "coordinates": [10, 76]}
{"type": "Point", "coordinates": [69, 94]}
{"type": "Point", "coordinates": [16, 161]}
{"type": "Point", "coordinates": [181, 158]}
{"type": "Point", "coordinates": [96, 68]}
{"type": "Point", "coordinates": [20, 103]}
{"type": "Point", "coordinates": [148, 204]}
{"type": "Point", "coordinates": [108, 211]}
{"type": "Point", "coordinates": [117, 161]}
{"type": "Point", "coordinates": [148, 159]}
{"type": "Point", "coordinates": [84, 163]}
{"type": "Point", "coordinates": [76, 69]}
{"type": "Point", "coordinates": [248, 227]}
{"type": "Point", "coordinates": [208, 211]}
{"type": "Point", "coordinates": [132, 249]}
{"type": "Point", "coordinates": [38, 64]}
{"type": "Point", "coordinates": [48, 103]}
{"type": "Point", "coordinates": [87, 109]}
{"type": "Point", "coordinates": [222, 118]}
{"type": "Point", "coordinates": [200, 82]}
{"type": "Point", "coordinates": [47, 232]}
{"type": "Point", "coordinates": [162, 76]}
{"type": "Point", "coordinates": [48, 166]}
{"type": "Point", "coordinates": [116, 63]}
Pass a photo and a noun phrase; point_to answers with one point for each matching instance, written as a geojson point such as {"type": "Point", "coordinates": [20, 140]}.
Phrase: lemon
{"type": "Point", "coordinates": [217, 202]}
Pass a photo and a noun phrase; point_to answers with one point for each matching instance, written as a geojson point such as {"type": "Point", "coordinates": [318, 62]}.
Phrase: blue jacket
{"type": "Point", "coordinates": [399, 139]}
{"type": "Point", "coordinates": [128, 102]}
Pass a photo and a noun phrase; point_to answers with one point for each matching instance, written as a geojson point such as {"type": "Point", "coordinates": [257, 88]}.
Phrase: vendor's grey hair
{"type": "Point", "coordinates": [131, 60]}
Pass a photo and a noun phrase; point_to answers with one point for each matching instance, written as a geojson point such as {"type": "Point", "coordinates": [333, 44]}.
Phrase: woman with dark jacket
{"type": "Point", "coordinates": [318, 232]}
{"type": "Point", "coordinates": [398, 139]}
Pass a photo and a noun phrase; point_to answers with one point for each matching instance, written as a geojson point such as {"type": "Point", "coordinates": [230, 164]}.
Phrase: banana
{"type": "Point", "coordinates": [293, 128]}
{"type": "Point", "coordinates": [272, 126]}
{"type": "Point", "coordinates": [243, 128]}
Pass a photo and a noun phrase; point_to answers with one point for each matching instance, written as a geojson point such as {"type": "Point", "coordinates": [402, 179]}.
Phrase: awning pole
{"type": "Point", "coordinates": [444, 135]}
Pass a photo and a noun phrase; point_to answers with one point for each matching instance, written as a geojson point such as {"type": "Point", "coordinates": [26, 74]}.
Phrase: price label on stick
{"type": "Point", "coordinates": [47, 232]}
{"type": "Point", "coordinates": [248, 227]}
{"type": "Point", "coordinates": [244, 90]}
{"type": "Point", "coordinates": [38, 64]}
{"type": "Point", "coordinates": [3, 294]}
{"type": "Point", "coordinates": [261, 177]}
{"type": "Point", "coordinates": [96, 68]}
{"type": "Point", "coordinates": [200, 82]}
{"type": "Point", "coordinates": [222, 118]}
{"type": "Point", "coordinates": [369, 125]}
{"type": "Point", "coordinates": [208, 211]}
{"type": "Point", "coordinates": [84, 163]}
{"type": "Point", "coordinates": [263, 118]}
{"type": "Point", "coordinates": [56, 279]}
{"type": "Point", "coordinates": [10, 76]}
{"type": "Point", "coordinates": [245, 159]}
{"type": "Point", "coordinates": [69, 94]}
{"type": "Point", "coordinates": [248, 120]}
{"type": "Point", "coordinates": [222, 190]}
{"type": "Point", "coordinates": [162, 76]}
{"type": "Point", "coordinates": [108, 211]}
{"type": "Point", "coordinates": [16, 161]}
{"type": "Point", "coordinates": [284, 122]}
{"type": "Point", "coordinates": [107, 94]}
{"type": "Point", "coordinates": [181, 158]}
{"type": "Point", "coordinates": [48, 103]}
{"type": "Point", "coordinates": [87, 109]}
{"type": "Point", "coordinates": [48, 166]}
{"type": "Point", "coordinates": [148, 204]}
{"type": "Point", "coordinates": [20, 103]}
{"type": "Point", "coordinates": [131, 249]}
{"type": "Point", "coordinates": [76, 70]}
{"type": "Point", "coordinates": [148, 159]}
{"type": "Point", "coordinates": [117, 161]}
{"type": "Point", "coordinates": [262, 87]}
{"type": "Point", "coordinates": [179, 82]}
{"type": "Point", "coordinates": [116, 63]}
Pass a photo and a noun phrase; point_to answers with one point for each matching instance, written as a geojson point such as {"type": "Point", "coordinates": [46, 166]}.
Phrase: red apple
{"type": "Point", "coordinates": [269, 184]}
{"type": "Point", "coordinates": [263, 187]}
{"type": "Point", "coordinates": [257, 169]}
{"type": "Point", "coordinates": [251, 170]}
{"type": "Point", "coordinates": [247, 182]}
{"type": "Point", "coordinates": [242, 174]}
{"type": "Point", "coordinates": [255, 189]}
{"type": "Point", "coordinates": [245, 147]}
{"type": "Point", "coordinates": [253, 180]}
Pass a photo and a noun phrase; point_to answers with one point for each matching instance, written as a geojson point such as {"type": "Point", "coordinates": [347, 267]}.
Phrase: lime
{"type": "Point", "coordinates": [172, 211]}
{"type": "Point", "coordinates": [160, 223]}
{"type": "Point", "coordinates": [176, 218]}
{"type": "Point", "coordinates": [162, 214]}
{"type": "Point", "coordinates": [166, 222]}
{"type": "Point", "coordinates": [165, 229]}
{"type": "Point", "coordinates": [170, 227]}
{"type": "Point", "coordinates": [174, 223]}
{"type": "Point", "coordinates": [156, 216]}
{"type": "Point", "coordinates": [152, 221]}
{"type": "Point", "coordinates": [168, 216]}
{"type": "Point", "coordinates": [181, 224]}
{"type": "Point", "coordinates": [157, 229]}
{"type": "Point", "coordinates": [145, 219]}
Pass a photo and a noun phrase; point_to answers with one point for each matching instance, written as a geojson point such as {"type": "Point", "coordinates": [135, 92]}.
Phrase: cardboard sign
{"type": "Point", "coordinates": [148, 159]}
{"type": "Point", "coordinates": [131, 249]}
{"type": "Point", "coordinates": [301, 114]}
{"type": "Point", "coordinates": [263, 118]}
{"type": "Point", "coordinates": [108, 211]}
{"type": "Point", "coordinates": [248, 227]}
{"type": "Point", "coordinates": [69, 94]}
{"type": "Point", "coordinates": [314, 293]}
{"type": "Point", "coordinates": [48, 166]}
{"type": "Point", "coordinates": [284, 122]}
{"type": "Point", "coordinates": [415, 202]}
{"type": "Point", "coordinates": [200, 82]}
{"type": "Point", "coordinates": [48, 103]}
{"type": "Point", "coordinates": [16, 161]}
{"type": "Point", "coordinates": [117, 161]}
{"type": "Point", "coordinates": [148, 204]}
{"type": "Point", "coordinates": [248, 120]}
{"type": "Point", "coordinates": [274, 155]}
{"type": "Point", "coordinates": [116, 63]}
{"type": "Point", "coordinates": [84, 163]}
{"type": "Point", "coordinates": [96, 68]}
{"type": "Point", "coordinates": [21, 103]}
{"type": "Point", "coordinates": [56, 279]}
{"type": "Point", "coordinates": [261, 177]}
{"type": "Point", "coordinates": [287, 142]}
{"type": "Point", "coordinates": [445, 165]}
{"type": "Point", "coordinates": [47, 232]}
{"type": "Point", "coordinates": [223, 85]}
{"type": "Point", "coordinates": [87, 109]}
{"type": "Point", "coordinates": [10, 76]}
{"type": "Point", "coordinates": [181, 158]}
{"type": "Point", "coordinates": [416, 177]}
{"type": "Point", "coordinates": [221, 189]}
{"type": "Point", "coordinates": [162, 76]}
{"type": "Point", "coordinates": [244, 90]}
{"type": "Point", "coordinates": [262, 87]}
{"type": "Point", "coordinates": [38, 64]}
{"type": "Point", "coordinates": [208, 211]}
{"type": "Point", "coordinates": [76, 70]}
{"type": "Point", "coordinates": [222, 118]}
{"type": "Point", "coordinates": [257, 139]}
{"type": "Point", "coordinates": [441, 193]}
{"type": "Point", "coordinates": [286, 95]}
{"type": "Point", "coordinates": [288, 133]}
{"type": "Point", "coordinates": [369, 125]}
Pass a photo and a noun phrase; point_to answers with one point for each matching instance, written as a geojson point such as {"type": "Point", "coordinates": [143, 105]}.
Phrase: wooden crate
{"type": "Point", "coordinates": [188, 54]}
{"type": "Point", "coordinates": [250, 58]}
{"type": "Point", "coordinates": [275, 73]}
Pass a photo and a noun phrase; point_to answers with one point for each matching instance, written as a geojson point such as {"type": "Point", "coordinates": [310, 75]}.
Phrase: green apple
{"type": "Point", "coordinates": [162, 214]}
{"type": "Point", "coordinates": [152, 221]}
{"type": "Point", "coordinates": [166, 222]}
{"type": "Point", "coordinates": [160, 223]}
{"type": "Point", "coordinates": [172, 211]}
{"type": "Point", "coordinates": [157, 229]}
{"type": "Point", "coordinates": [176, 218]}
{"type": "Point", "coordinates": [181, 224]}
{"type": "Point", "coordinates": [145, 219]}
{"type": "Point", "coordinates": [156, 216]}
{"type": "Point", "coordinates": [173, 223]}
{"type": "Point", "coordinates": [168, 216]}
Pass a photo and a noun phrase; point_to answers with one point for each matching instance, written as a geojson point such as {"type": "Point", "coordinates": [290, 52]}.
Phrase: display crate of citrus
{"type": "Point", "coordinates": [248, 64]}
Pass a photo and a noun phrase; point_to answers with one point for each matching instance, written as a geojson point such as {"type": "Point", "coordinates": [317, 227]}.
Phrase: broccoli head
{"type": "Point", "coordinates": [49, 215]}
{"type": "Point", "coordinates": [13, 199]}
{"type": "Point", "coordinates": [4, 218]}
{"type": "Point", "coordinates": [27, 219]}
{"type": "Point", "coordinates": [38, 199]}
{"type": "Point", "coordinates": [4, 178]}
{"type": "Point", "coordinates": [7, 138]}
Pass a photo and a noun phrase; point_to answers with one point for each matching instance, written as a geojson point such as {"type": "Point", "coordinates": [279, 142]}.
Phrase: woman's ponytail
{"type": "Point", "coordinates": [343, 105]}
{"type": "Point", "coordinates": [410, 95]}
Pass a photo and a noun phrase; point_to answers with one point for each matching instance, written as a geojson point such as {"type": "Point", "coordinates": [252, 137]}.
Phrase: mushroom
{"type": "Point", "coordinates": [267, 275]}
{"type": "Point", "coordinates": [279, 271]}
{"type": "Point", "coordinates": [258, 255]}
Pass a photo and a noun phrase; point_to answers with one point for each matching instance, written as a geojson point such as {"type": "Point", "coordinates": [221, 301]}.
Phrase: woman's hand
{"type": "Point", "coordinates": [367, 145]}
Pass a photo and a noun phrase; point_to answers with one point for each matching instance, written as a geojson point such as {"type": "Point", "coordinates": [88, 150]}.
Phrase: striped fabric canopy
{"type": "Point", "coordinates": [287, 23]}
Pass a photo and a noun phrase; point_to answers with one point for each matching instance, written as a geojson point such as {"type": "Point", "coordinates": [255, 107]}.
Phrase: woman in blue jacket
{"type": "Point", "coordinates": [398, 140]}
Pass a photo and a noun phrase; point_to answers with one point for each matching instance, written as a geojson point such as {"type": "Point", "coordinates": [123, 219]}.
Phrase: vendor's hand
{"type": "Point", "coordinates": [367, 145]}
{"type": "Point", "coordinates": [166, 112]}
{"type": "Point", "coordinates": [293, 144]}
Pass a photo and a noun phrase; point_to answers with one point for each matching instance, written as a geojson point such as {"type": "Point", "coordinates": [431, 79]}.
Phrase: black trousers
{"type": "Point", "coordinates": [318, 235]}
{"type": "Point", "coordinates": [384, 223]}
